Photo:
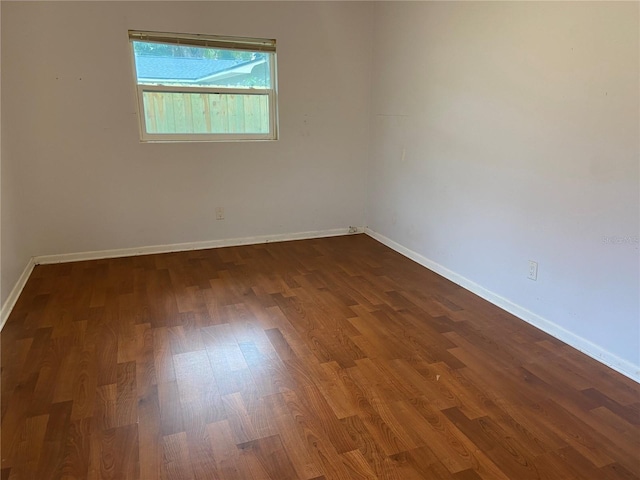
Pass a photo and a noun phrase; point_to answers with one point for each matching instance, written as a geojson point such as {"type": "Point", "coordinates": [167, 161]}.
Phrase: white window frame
{"type": "Point", "coordinates": [218, 42]}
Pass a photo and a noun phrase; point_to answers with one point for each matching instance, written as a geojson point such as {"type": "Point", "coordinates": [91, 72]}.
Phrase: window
{"type": "Point", "coordinates": [204, 88]}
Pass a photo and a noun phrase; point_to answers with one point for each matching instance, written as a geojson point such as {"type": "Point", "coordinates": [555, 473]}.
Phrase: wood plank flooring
{"type": "Point", "coordinates": [319, 359]}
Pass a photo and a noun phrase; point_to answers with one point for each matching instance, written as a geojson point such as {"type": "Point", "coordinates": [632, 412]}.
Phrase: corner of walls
{"type": "Point", "coordinates": [596, 352]}
{"type": "Point", "coordinates": [367, 174]}
{"type": "Point", "coordinates": [11, 300]}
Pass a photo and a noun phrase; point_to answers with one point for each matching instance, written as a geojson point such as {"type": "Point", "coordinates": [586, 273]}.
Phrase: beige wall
{"type": "Point", "coordinates": [78, 179]}
{"type": "Point", "coordinates": [519, 127]}
{"type": "Point", "coordinates": [499, 133]}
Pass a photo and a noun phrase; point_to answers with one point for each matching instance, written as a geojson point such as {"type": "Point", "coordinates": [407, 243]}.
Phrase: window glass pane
{"type": "Point", "coordinates": [202, 113]}
{"type": "Point", "coordinates": [177, 65]}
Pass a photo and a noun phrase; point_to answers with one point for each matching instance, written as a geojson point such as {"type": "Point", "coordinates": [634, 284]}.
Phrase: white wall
{"type": "Point", "coordinates": [14, 252]}
{"type": "Point", "coordinates": [501, 132]}
{"type": "Point", "coordinates": [14, 249]}
{"type": "Point", "coordinates": [80, 180]}
{"type": "Point", "coordinates": [519, 125]}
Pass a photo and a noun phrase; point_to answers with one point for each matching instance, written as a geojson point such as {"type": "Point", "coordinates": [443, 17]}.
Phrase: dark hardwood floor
{"type": "Point", "coordinates": [320, 359]}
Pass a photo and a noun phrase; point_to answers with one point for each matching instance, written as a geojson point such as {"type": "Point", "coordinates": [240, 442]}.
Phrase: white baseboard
{"type": "Point", "coordinates": [182, 247]}
{"type": "Point", "coordinates": [587, 347]}
{"type": "Point", "coordinates": [11, 300]}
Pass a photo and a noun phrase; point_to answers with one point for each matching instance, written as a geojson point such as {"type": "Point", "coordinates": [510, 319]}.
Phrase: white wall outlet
{"type": "Point", "coordinates": [219, 213]}
{"type": "Point", "coordinates": [353, 229]}
{"type": "Point", "coordinates": [533, 270]}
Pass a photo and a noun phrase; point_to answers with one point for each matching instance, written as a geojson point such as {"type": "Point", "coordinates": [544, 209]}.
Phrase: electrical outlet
{"type": "Point", "coordinates": [353, 229]}
{"type": "Point", "coordinates": [533, 270]}
{"type": "Point", "coordinates": [219, 213]}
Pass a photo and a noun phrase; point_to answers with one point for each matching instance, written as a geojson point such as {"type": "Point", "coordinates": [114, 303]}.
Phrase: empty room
{"type": "Point", "coordinates": [320, 240]}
